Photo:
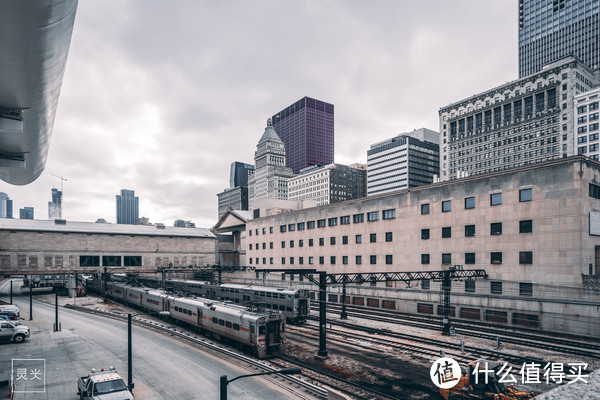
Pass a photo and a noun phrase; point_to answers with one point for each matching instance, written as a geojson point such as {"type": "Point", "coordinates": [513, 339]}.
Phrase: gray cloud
{"type": "Point", "coordinates": [161, 97]}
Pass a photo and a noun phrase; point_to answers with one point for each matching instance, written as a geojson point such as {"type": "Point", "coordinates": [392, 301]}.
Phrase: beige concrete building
{"type": "Point", "coordinates": [534, 229]}
{"type": "Point", "coordinates": [34, 246]}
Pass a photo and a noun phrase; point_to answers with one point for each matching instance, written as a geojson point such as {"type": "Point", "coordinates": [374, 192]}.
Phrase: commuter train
{"type": "Point", "coordinates": [294, 304]}
{"type": "Point", "coordinates": [259, 331]}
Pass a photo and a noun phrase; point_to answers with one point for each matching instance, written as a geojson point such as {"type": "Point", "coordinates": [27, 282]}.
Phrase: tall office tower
{"type": "Point", "coordinates": [587, 123]}
{"type": "Point", "coordinates": [55, 206]}
{"type": "Point", "coordinates": [553, 29]}
{"type": "Point", "coordinates": [239, 174]}
{"type": "Point", "coordinates": [521, 122]}
{"type": "Point", "coordinates": [327, 184]}
{"type": "Point", "coordinates": [235, 198]}
{"type": "Point", "coordinates": [306, 128]}
{"type": "Point", "coordinates": [404, 161]}
{"type": "Point", "coordinates": [26, 213]}
{"type": "Point", "coordinates": [270, 179]}
{"type": "Point", "coordinates": [127, 207]}
{"type": "Point", "coordinates": [6, 207]}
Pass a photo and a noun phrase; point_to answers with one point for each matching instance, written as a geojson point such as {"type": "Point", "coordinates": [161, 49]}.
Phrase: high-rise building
{"type": "Point", "coordinates": [26, 213]}
{"type": "Point", "coordinates": [239, 174]}
{"type": "Point", "coordinates": [306, 129]}
{"type": "Point", "coordinates": [6, 206]}
{"type": "Point", "coordinates": [586, 123]}
{"type": "Point", "coordinates": [407, 160]}
{"type": "Point", "coordinates": [55, 206]}
{"type": "Point", "coordinates": [328, 184]}
{"type": "Point", "coordinates": [235, 198]}
{"type": "Point", "coordinates": [271, 176]}
{"type": "Point", "coordinates": [127, 207]}
{"type": "Point", "coordinates": [553, 29]}
{"type": "Point", "coordinates": [519, 123]}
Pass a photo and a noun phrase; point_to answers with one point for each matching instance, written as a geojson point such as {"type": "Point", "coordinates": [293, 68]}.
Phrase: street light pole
{"type": "Point", "coordinates": [11, 282]}
{"type": "Point", "coordinates": [224, 382]}
{"type": "Point", "coordinates": [30, 298]}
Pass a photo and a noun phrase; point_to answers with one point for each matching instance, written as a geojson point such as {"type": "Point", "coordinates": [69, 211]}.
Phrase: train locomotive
{"type": "Point", "coordinates": [252, 328]}
{"type": "Point", "coordinates": [294, 304]}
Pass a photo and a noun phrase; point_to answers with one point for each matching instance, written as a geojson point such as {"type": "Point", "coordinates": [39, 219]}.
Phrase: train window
{"type": "Point", "coordinates": [221, 322]}
{"type": "Point", "coordinates": [236, 327]}
{"type": "Point", "coordinates": [261, 330]}
{"type": "Point", "coordinates": [237, 290]}
{"type": "Point", "coordinates": [268, 294]}
{"type": "Point", "coordinates": [189, 312]}
{"type": "Point", "coordinates": [281, 308]}
{"type": "Point", "coordinates": [288, 309]}
{"type": "Point", "coordinates": [256, 293]}
{"type": "Point", "coordinates": [262, 294]}
{"type": "Point", "coordinates": [215, 320]}
{"type": "Point", "coordinates": [227, 324]}
{"type": "Point", "coordinates": [251, 328]}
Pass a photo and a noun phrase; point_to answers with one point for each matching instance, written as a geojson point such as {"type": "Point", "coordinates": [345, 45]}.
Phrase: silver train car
{"type": "Point", "coordinates": [258, 331]}
{"type": "Point", "coordinates": [294, 304]}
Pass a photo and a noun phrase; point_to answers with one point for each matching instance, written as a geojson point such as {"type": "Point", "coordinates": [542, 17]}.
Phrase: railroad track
{"type": "Point", "coordinates": [585, 349]}
{"type": "Point", "coordinates": [214, 348]}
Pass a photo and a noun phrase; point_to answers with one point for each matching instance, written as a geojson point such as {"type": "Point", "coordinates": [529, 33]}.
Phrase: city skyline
{"type": "Point", "coordinates": [167, 120]}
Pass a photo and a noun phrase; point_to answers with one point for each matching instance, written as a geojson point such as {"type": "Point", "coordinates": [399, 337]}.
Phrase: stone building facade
{"type": "Point", "coordinates": [534, 229]}
{"type": "Point", "coordinates": [34, 246]}
{"type": "Point", "coordinates": [522, 122]}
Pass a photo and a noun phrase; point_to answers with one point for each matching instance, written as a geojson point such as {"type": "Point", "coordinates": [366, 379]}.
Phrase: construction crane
{"type": "Point", "coordinates": [61, 181]}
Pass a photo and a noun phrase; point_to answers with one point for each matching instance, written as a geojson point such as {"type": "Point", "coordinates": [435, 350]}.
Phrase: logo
{"type": "Point", "coordinates": [445, 373]}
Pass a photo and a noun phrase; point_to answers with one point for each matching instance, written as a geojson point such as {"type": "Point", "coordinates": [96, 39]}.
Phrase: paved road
{"type": "Point", "coordinates": [164, 367]}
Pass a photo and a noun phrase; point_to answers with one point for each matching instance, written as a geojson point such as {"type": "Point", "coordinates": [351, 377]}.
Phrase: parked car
{"type": "Point", "coordinates": [12, 332]}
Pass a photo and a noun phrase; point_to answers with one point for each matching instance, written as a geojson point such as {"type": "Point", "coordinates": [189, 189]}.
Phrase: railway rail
{"type": "Point", "coordinates": [545, 342]}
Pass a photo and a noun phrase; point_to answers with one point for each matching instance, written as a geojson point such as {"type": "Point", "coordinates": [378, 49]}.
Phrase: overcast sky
{"type": "Point", "coordinates": [160, 97]}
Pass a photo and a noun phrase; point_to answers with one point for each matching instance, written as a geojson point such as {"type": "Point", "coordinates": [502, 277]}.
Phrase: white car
{"type": "Point", "coordinates": [11, 332]}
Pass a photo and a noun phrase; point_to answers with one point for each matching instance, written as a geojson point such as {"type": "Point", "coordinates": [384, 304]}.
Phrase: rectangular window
{"type": "Point", "coordinates": [388, 259]}
{"type": "Point", "coordinates": [358, 260]}
{"type": "Point", "coordinates": [424, 308]}
{"type": "Point", "coordinates": [496, 228]}
{"type": "Point", "coordinates": [311, 260]}
{"type": "Point", "coordinates": [310, 225]}
{"type": "Point", "coordinates": [332, 260]}
{"type": "Point", "coordinates": [358, 238]}
{"type": "Point", "coordinates": [373, 259]}
{"type": "Point", "coordinates": [321, 223]}
{"type": "Point", "coordinates": [301, 226]}
{"type": "Point", "coordinates": [332, 241]}
{"type": "Point", "coordinates": [496, 257]}
{"type": "Point", "coordinates": [424, 209]}
{"type": "Point", "coordinates": [525, 257]}
{"type": "Point", "coordinates": [470, 285]}
{"type": "Point", "coordinates": [301, 243]}
{"type": "Point", "coordinates": [425, 284]}
{"type": "Point", "coordinates": [388, 236]}
{"type": "Point", "coordinates": [291, 260]}
{"type": "Point", "coordinates": [300, 260]}
{"type": "Point", "coordinates": [321, 260]}
{"type": "Point", "coordinates": [469, 258]}
{"type": "Point", "coordinates": [529, 320]}
{"type": "Point", "coordinates": [282, 260]}
{"type": "Point", "coordinates": [89, 261]}
{"type": "Point", "coordinates": [291, 227]}
{"type": "Point", "coordinates": [132, 261]}
{"type": "Point", "coordinates": [424, 258]}
{"type": "Point", "coordinates": [389, 214]}
{"type": "Point", "coordinates": [526, 226]}
{"type": "Point", "coordinates": [345, 220]}
{"type": "Point", "coordinates": [332, 221]}
{"type": "Point", "coordinates": [495, 199]}
{"type": "Point", "coordinates": [446, 258]}
{"type": "Point", "coordinates": [344, 239]}
{"type": "Point", "coordinates": [470, 313]}
{"type": "Point", "coordinates": [270, 229]}
{"type": "Point", "coordinates": [496, 316]}
{"type": "Point", "coordinates": [358, 218]}
{"type": "Point", "coordinates": [321, 241]}
{"type": "Point", "coordinates": [310, 242]}
{"type": "Point", "coordinates": [424, 234]}
{"type": "Point", "coordinates": [373, 238]}
{"type": "Point", "coordinates": [344, 260]}
{"type": "Point", "coordinates": [525, 289]}
{"type": "Point", "coordinates": [291, 243]}
{"type": "Point", "coordinates": [469, 202]}
{"type": "Point", "coordinates": [446, 232]}
{"type": "Point", "coordinates": [373, 216]}
{"type": "Point", "coordinates": [469, 230]}
{"type": "Point", "coordinates": [525, 195]}
{"type": "Point", "coordinates": [111, 261]}
{"type": "Point", "coordinates": [282, 228]}
{"type": "Point", "coordinates": [446, 205]}
{"type": "Point", "coordinates": [283, 244]}
{"type": "Point", "coordinates": [496, 287]}
{"type": "Point", "coordinates": [594, 191]}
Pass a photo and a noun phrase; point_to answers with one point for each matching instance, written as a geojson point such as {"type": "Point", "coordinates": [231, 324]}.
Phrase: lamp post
{"type": "Point", "coordinates": [129, 347]}
{"type": "Point", "coordinates": [225, 382]}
